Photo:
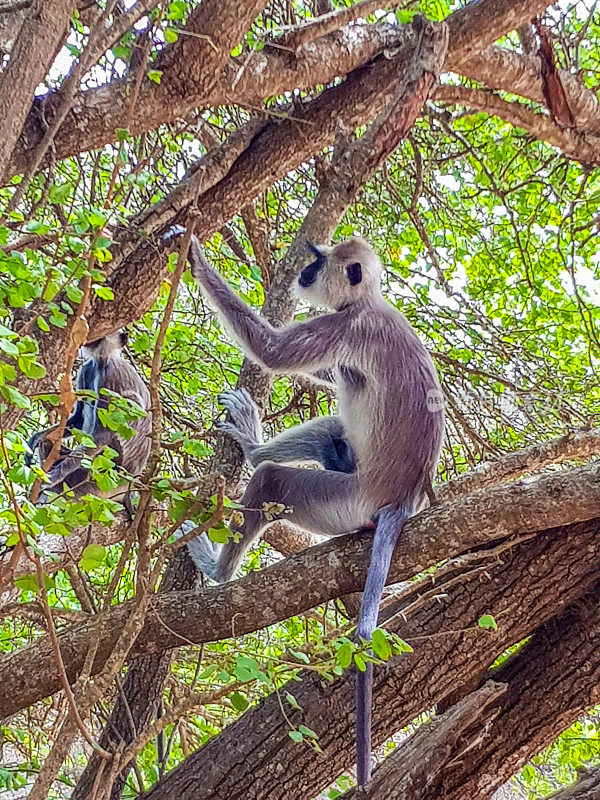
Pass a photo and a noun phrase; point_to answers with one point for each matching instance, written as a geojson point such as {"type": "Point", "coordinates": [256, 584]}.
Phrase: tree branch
{"type": "Point", "coordinates": [303, 581]}
{"type": "Point", "coordinates": [39, 38]}
{"type": "Point", "coordinates": [584, 148]}
{"type": "Point", "coordinates": [98, 113]}
{"type": "Point", "coordinates": [414, 770]}
{"type": "Point", "coordinates": [523, 586]}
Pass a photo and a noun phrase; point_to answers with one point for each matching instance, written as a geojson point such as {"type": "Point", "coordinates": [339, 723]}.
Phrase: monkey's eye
{"type": "Point", "coordinates": [354, 273]}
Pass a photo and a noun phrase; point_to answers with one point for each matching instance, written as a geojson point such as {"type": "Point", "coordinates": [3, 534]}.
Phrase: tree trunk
{"type": "Point", "coordinates": [255, 758]}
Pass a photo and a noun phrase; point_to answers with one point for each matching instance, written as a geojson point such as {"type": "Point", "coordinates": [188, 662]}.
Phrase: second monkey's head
{"type": "Point", "coordinates": [348, 272]}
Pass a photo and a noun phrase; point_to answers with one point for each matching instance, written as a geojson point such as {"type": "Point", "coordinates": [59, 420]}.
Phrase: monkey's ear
{"type": "Point", "coordinates": [123, 337]}
{"type": "Point", "coordinates": [354, 273]}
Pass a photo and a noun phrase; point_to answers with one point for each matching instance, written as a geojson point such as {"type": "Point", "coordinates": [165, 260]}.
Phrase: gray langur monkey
{"type": "Point", "coordinates": [390, 412]}
{"type": "Point", "coordinates": [104, 368]}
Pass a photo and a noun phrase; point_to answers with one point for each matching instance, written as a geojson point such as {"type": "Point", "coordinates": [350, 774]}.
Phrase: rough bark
{"type": "Point", "coordinates": [414, 770]}
{"type": "Point", "coordinates": [305, 580]}
{"type": "Point", "coordinates": [584, 148]}
{"type": "Point", "coordinates": [548, 684]}
{"type": "Point", "coordinates": [192, 64]}
{"type": "Point", "coordinates": [586, 788]}
{"type": "Point", "coordinates": [551, 682]}
{"type": "Point", "coordinates": [508, 71]}
{"type": "Point", "coordinates": [139, 698]}
{"type": "Point", "coordinates": [524, 587]}
{"type": "Point", "coordinates": [41, 34]}
{"type": "Point", "coordinates": [98, 113]}
{"type": "Point", "coordinates": [581, 445]}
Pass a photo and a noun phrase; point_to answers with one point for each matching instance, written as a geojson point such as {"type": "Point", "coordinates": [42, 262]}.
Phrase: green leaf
{"type": "Point", "coordinates": [155, 75]}
{"type": "Point", "coordinates": [238, 701]}
{"type": "Point", "coordinates": [344, 655]}
{"type": "Point", "coordinates": [92, 557]}
{"type": "Point", "coordinates": [360, 662]}
{"type": "Point", "coordinates": [487, 622]}
{"type": "Point", "coordinates": [96, 219]}
{"type": "Point", "coordinates": [295, 736]}
{"type": "Point", "coordinates": [171, 35]}
{"type": "Point", "coordinates": [15, 397]}
{"type": "Point", "coordinates": [31, 368]}
{"type": "Point", "coordinates": [27, 583]}
{"type": "Point", "coordinates": [292, 701]}
{"type": "Point", "coordinates": [219, 535]}
{"type": "Point", "coordinates": [74, 293]}
{"type": "Point", "coordinates": [307, 732]}
{"type": "Point", "coordinates": [381, 646]}
{"type": "Point", "coordinates": [300, 656]}
{"type": "Point", "coordinates": [104, 292]}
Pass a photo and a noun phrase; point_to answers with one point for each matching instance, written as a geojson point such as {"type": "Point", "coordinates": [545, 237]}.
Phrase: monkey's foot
{"type": "Point", "coordinates": [245, 425]}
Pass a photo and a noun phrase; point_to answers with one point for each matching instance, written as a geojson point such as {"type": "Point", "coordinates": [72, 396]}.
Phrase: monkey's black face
{"type": "Point", "coordinates": [309, 274]}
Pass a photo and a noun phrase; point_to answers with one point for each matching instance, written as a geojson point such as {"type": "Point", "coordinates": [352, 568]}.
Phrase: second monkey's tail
{"type": "Point", "coordinates": [390, 524]}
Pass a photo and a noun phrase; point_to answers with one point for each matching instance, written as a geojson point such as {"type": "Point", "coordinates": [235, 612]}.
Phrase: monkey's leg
{"type": "Point", "coordinates": [321, 439]}
{"type": "Point", "coordinates": [321, 501]}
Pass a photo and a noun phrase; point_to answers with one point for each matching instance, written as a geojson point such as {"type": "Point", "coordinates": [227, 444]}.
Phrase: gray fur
{"type": "Point", "coordinates": [104, 368]}
{"type": "Point", "coordinates": [391, 415]}
{"type": "Point", "coordinates": [316, 440]}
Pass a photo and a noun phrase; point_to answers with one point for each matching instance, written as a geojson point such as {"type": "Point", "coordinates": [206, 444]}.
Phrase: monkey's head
{"type": "Point", "coordinates": [340, 275]}
{"type": "Point", "coordinates": [107, 346]}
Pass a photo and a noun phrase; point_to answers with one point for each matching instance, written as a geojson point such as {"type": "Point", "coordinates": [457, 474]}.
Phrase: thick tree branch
{"type": "Point", "coordinates": [551, 682]}
{"type": "Point", "coordinates": [98, 113]}
{"type": "Point", "coordinates": [508, 71]}
{"type": "Point", "coordinates": [40, 37]}
{"type": "Point", "coordinates": [414, 770]}
{"type": "Point", "coordinates": [319, 574]}
{"type": "Point", "coordinates": [585, 148]}
{"type": "Point", "coordinates": [522, 586]}
{"type": "Point", "coordinates": [581, 445]}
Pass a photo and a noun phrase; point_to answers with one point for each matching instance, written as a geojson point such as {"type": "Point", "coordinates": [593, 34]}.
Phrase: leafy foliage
{"type": "Point", "coordinates": [492, 251]}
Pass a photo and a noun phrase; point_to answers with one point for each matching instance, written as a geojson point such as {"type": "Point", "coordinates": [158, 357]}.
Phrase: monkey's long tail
{"type": "Point", "coordinates": [389, 527]}
{"type": "Point", "coordinates": [202, 550]}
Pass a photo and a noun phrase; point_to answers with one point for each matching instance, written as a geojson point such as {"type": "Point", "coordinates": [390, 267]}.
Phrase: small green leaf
{"type": "Point", "coordinates": [171, 36]}
{"type": "Point", "coordinates": [295, 736]}
{"type": "Point", "coordinates": [238, 701]}
{"type": "Point", "coordinates": [307, 732]}
{"type": "Point", "coordinates": [344, 655]}
{"type": "Point", "coordinates": [104, 292]}
{"type": "Point", "coordinates": [360, 662]}
{"type": "Point", "coordinates": [92, 557]}
{"type": "Point", "coordinates": [96, 219]}
{"type": "Point", "coordinates": [292, 701]}
{"type": "Point", "coordinates": [300, 656]}
{"type": "Point", "coordinates": [27, 583]}
{"type": "Point", "coordinates": [381, 646]}
{"type": "Point", "coordinates": [219, 535]}
{"type": "Point", "coordinates": [155, 75]}
{"type": "Point", "coordinates": [487, 622]}
{"type": "Point", "coordinates": [15, 397]}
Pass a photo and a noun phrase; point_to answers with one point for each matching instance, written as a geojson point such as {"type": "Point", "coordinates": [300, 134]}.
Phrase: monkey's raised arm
{"type": "Point", "coordinates": [308, 345]}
